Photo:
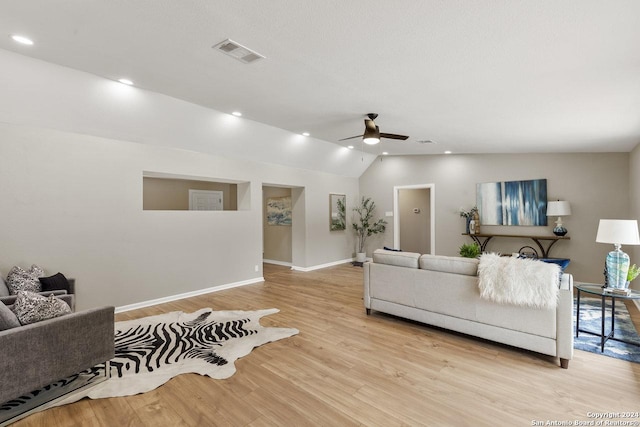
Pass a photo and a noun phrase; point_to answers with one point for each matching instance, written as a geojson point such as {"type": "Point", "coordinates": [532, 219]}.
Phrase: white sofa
{"type": "Point", "coordinates": [443, 291]}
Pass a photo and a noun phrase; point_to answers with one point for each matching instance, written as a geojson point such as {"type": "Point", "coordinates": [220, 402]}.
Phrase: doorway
{"type": "Point", "coordinates": [414, 218]}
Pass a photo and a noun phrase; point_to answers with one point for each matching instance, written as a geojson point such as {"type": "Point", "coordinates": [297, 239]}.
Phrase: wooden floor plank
{"type": "Point", "coordinates": [347, 368]}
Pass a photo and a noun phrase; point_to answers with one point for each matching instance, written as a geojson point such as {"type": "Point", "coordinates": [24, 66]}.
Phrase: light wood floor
{"type": "Point", "coordinates": [346, 368]}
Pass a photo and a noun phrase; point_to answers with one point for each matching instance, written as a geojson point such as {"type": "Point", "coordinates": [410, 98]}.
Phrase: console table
{"type": "Point", "coordinates": [537, 239]}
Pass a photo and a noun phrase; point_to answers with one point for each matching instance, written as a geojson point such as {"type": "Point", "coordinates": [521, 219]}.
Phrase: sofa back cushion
{"type": "Point", "coordinates": [4, 291]}
{"type": "Point", "coordinates": [449, 264]}
{"type": "Point", "coordinates": [399, 259]}
{"type": "Point", "coordinates": [8, 319]}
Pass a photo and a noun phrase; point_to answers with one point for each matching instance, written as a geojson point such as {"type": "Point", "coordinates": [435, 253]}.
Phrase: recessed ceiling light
{"type": "Point", "coordinates": [237, 113]}
{"type": "Point", "coordinates": [384, 153]}
{"type": "Point", "coordinates": [305, 133]}
{"type": "Point", "coordinates": [350, 147]}
{"type": "Point", "coordinates": [447, 152]}
{"type": "Point", "coordinates": [126, 82]}
{"type": "Point", "coordinates": [22, 39]}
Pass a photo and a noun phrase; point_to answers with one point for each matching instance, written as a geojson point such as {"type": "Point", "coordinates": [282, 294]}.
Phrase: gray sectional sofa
{"type": "Point", "coordinates": [443, 291]}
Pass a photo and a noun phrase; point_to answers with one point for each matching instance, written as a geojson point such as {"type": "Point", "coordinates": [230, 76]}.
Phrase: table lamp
{"type": "Point", "coordinates": [618, 232]}
{"type": "Point", "coordinates": [559, 208]}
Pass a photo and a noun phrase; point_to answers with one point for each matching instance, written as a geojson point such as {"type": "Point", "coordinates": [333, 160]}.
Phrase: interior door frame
{"type": "Point", "coordinates": [396, 212]}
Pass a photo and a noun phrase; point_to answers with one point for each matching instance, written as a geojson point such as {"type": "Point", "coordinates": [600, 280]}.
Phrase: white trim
{"type": "Point", "coordinates": [396, 212]}
{"type": "Point", "coordinates": [187, 295]}
{"type": "Point", "coordinates": [318, 267]}
{"type": "Point", "coordinates": [273, 261]}
{"type": "Point", "coordinates": [637, 303]}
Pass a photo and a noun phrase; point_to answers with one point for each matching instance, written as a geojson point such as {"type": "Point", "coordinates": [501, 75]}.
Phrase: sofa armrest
{"type": "Point", "coordinates": [564, 319]}
{"type": "Point", "coordinates": [39, 354]}
{"type": "Point", "coordinates": [367, 277]}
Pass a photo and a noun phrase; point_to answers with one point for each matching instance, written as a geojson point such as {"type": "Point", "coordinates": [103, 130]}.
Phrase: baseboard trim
{"type": "Point", "coordinates": [176, 297]}
{"type": "Point", "coordinates": [275, 262]}
{"type": "Point", "coordinates": [318, 267]}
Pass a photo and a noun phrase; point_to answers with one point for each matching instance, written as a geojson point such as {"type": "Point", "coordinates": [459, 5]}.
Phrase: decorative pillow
{"type": "Point", "coordinates": [53, 283]}
{"type": "Point", "coordinates": [4, 291]}
{"type": "Point", "coordinates": [8, 319]}
{"type": "Point", "coordinates": [31, 307]}
{"type": "Point", "coordinates": [562, 262]}
{"type": "Point", "coordinates": [22, 280]}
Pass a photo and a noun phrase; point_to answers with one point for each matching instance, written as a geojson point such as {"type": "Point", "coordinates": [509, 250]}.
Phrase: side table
{"type": "Point", "coordinates": [603, 294]}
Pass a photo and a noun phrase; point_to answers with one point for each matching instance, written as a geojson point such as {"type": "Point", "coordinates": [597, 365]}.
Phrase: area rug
{"type": "Point", "coordinates": [152, 350]}
{"type": "Point", "coordinates": [590, 319]}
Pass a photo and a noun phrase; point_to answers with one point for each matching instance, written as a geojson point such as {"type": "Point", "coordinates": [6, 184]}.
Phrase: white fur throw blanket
{"type": "Point", "coordinates": [524, 282]}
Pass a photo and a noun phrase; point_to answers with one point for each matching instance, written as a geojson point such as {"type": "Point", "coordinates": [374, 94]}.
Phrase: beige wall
{"type": "Point", "coordinates": [277, 239]}
{"type": "Point", "coordinates": [173, 194]}
{"type": "Point", "coordinates": [634, 200]}
{"type": "Point", "coordinates": [415, 233]}
{"type": "Point", "coordinates": [596, 185]}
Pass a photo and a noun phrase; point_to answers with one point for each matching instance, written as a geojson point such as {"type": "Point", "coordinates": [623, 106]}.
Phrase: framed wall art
{"type": "Point", "coordinates": [512, 202]}
{"type": "Point", "coordinates": [279, 211]}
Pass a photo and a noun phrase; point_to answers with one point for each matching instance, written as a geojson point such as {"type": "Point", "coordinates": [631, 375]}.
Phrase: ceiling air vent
{"type": "Point", "coordinates": [425, 141]}
{"type": "Point", "coordinates": [237, 51]}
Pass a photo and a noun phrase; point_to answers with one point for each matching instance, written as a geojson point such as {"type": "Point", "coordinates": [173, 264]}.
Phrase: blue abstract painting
{"type": "Point", "coordinates": [512, 202]}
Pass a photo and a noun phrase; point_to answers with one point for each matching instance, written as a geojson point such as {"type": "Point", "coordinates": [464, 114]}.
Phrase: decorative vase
{"type": "Point", "coordinates": [468, 222]}
{"type": "Point", "coordinates": [617, 264]}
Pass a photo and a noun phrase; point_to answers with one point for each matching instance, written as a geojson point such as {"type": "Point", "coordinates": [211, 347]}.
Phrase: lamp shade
{"type": "Point", "coordinates": [558, 208]}
{"type": "Point", "coordinates": [618, 231]}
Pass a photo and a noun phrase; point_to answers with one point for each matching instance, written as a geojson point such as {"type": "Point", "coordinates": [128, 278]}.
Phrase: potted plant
{"type": "Point", "coordinates": [471, 250]}
{"type": "Point", "coordinates": [365, 226]}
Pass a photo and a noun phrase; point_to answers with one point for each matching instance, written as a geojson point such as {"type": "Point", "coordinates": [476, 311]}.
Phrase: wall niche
{"type": "Point", "coordinates": [170, 192]}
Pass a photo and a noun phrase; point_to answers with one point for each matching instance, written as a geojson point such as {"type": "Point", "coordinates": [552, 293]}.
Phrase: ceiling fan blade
{"type": "Point", "coordinates": [351, 137]}
{"type": "Point", "coordinates": [394, 136]}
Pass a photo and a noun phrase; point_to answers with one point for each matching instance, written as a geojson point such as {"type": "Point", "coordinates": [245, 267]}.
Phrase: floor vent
{"type": "Point", "coordinates": [237, 51]}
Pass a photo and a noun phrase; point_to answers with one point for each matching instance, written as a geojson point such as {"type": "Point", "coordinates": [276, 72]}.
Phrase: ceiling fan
{"type": "Point", "coordinates": [372, 132]}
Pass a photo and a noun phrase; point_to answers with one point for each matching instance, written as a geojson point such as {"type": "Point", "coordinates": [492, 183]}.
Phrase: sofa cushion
{"type": "Point", "coordinates": [4, 291]}
{"type": "Point", "coordinates": [450, 264]}
{"type": "Point", "coordinates": [31, 307]}
{"type": "Point", "coordinates": [19, 279]}
{"type": "Point", "coordinates": [399, 259]}
{"type": "Point", "coordinates": [54, 283]}
{"type": "Point", "coordinates": [8, 318]}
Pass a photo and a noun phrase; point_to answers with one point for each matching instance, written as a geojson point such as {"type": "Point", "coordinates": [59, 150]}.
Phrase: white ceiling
{"type": "Point", "coordinates": [474, 76]}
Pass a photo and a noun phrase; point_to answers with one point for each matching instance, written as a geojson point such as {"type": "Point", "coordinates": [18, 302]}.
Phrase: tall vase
{"type": "Point", "coordinates": [617, 268]}
{"type": "Point", "coordinates": [468, 222]}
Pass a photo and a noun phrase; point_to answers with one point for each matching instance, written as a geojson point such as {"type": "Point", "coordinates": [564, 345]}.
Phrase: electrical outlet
{"type": "Point", "coordinates": [256, 268]}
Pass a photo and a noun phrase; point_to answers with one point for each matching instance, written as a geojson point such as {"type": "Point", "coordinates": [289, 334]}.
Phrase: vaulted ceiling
{"type": "Point", "coordinates": [470, 76]}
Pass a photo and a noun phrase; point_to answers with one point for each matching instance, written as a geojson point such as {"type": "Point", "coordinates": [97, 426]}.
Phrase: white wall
{"type": "Point", "coordinates": [634, 200]}
{"type": "Point", "coordinates": [596, 185]}
{"type": "Point", "coordinates": [73, 147]}
{"type": "Point", "coordinates": [73, 203]}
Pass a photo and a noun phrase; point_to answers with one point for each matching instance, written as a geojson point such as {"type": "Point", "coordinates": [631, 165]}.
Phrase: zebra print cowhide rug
{"type": "Point", "coordinates": [152, 350]}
